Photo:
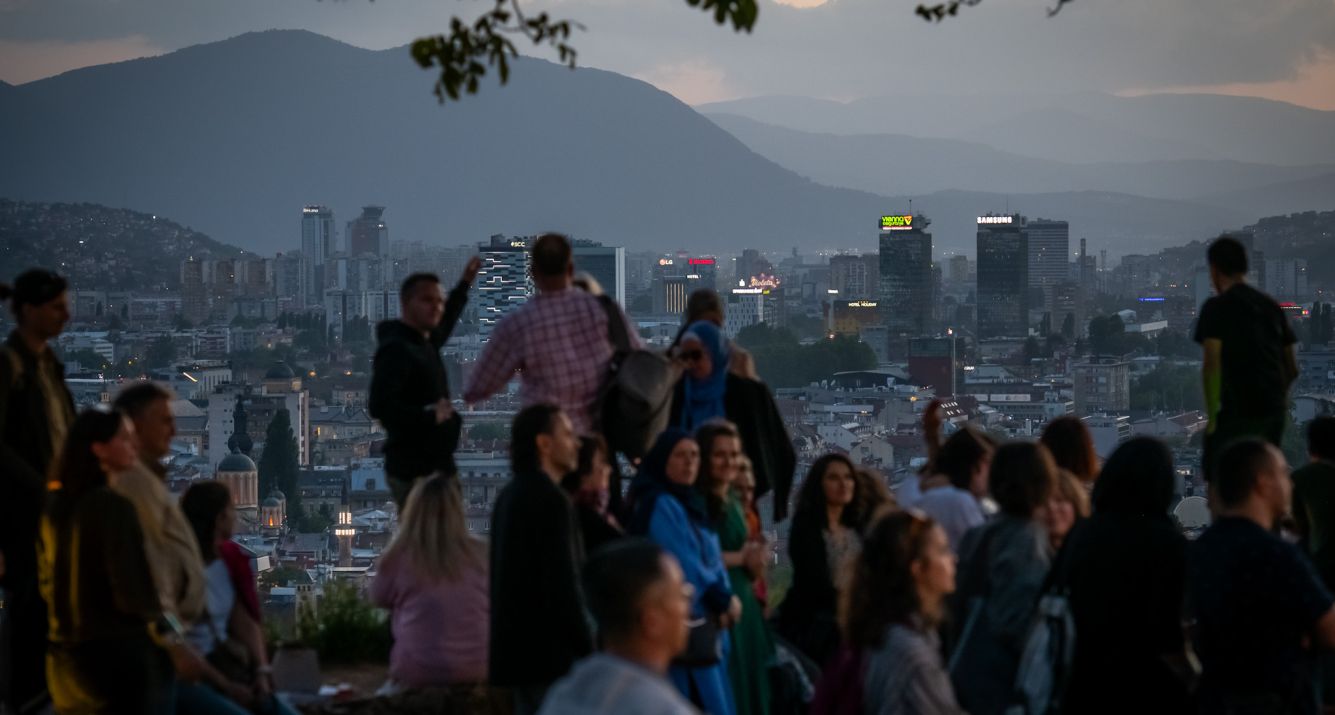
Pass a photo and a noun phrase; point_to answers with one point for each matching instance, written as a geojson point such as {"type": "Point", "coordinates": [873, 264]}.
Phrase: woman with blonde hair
{"type": "Point", "coordinates": [433, 579]}
{"type": "Point", "coordinates": [1068, 504]}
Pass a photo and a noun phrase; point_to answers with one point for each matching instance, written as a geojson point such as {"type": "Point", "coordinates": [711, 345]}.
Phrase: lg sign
{"type": "Point", "coordinates": [896, 223]}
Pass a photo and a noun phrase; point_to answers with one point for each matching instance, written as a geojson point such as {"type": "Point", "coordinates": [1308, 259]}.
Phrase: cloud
{"type": "Point", "coordinates": [26, 61]}
{"type": "Point", "coordinates": [836, 48]}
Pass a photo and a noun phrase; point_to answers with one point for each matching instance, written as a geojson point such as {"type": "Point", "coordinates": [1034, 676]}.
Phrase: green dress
{"type": "Point", "coordinates": [752, 648]}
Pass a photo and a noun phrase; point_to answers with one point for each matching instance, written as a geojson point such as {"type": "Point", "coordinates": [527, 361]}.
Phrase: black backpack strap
{"type": "Point", "coordinates": [616, 326]}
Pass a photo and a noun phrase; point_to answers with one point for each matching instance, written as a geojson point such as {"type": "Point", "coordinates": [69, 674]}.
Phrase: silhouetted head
{"type": "Point", "coordinates": [39, 300]}
{"type": "Point", "coordinates": [208, 507]}
{"type": "Point", "coordinates": [421, 304]}
{"type": "Point", "coordinates": [639, 598]}
{"type": "Point", "coordinates": [1072, 447]}
{"type": "Point", "coordinates": [543, 440]}
{"type": "Point", "coordinates": [148, 405]}
{"type": "Point", "coordinates": [1253, 472]}
{"type": "Point", "coordinates": [1228, 262]}
{"type": "Point", "coordinates": [704, 304]}
{"type": "Point", "coordinates": [1321, 438]}
{"type": "Point", "coordinates": [904, 570]}
{"type": "Point", "coordinates": [551, 262]}
{"type": "Point", "coordinates": [1022, 477]}
{"type": "Point", "coordinates": [1138, 479]}
{"type": "Point", "coordinates": [99, 443]}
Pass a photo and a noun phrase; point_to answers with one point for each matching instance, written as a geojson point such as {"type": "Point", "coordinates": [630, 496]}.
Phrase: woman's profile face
{"type": "Point", "coordinates": [684, 462]}
{"type": "Point", "coordinates": [838, 484]}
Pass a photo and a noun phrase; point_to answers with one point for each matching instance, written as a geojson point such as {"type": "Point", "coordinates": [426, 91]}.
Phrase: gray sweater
{"type": "Point", "coordinates": [905, 675]}
{"type": "Point", "coordinates": [604, 684]}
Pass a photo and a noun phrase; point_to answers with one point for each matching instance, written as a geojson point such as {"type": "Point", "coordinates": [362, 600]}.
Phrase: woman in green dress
{"type": "Point", "coordinates": [752, 648]}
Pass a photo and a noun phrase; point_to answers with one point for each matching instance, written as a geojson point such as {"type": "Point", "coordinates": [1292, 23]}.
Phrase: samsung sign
{"type": "Point", "coordinates": [896, 223]}
{"type": "Point", "coordinates": [994, 219]}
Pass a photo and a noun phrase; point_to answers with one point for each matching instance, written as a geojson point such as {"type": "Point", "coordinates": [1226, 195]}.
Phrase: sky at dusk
{"type": "Point", "coordinates": [835, 49]}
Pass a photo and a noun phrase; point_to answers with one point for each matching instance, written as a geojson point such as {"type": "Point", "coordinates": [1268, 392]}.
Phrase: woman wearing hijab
{"type": "Point", "coordinates": [709, 390]}
{"type": "Point", "coordinates": [668, 510]}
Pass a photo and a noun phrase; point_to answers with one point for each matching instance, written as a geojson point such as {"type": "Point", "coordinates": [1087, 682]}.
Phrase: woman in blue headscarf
{"type": "Point", "coordinates": [708, 390]}
{"type": "Point", "coordinates": [670, 512]}
{"type": "Point", "coordinates": [705, 379]}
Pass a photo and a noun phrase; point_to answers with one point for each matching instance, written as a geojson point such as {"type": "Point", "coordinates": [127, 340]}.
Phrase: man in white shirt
{"type": "Point", "coordinates": [641, 603]}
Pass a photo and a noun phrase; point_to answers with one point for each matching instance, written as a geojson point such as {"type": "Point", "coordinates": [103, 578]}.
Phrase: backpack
{"type": "Point", "coordinates": [636, 397]}
{"type": "Point", "coordinates": [1045, 663]}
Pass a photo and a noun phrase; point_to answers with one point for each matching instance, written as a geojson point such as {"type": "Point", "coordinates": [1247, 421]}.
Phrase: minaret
{"type": "Point", "coordinates": [345, 531]}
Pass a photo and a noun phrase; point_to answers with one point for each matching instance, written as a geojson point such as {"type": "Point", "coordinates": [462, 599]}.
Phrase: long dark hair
{"type": "Point", "coordinates": [1023, 475]}
{"type": "Point", "coordinates": [590, 446]}
{"type": "Point", "coordinates": [811, 498]}
{"type": "Point", "coordinates": [1072, 447]}
{"type": "Point", "coordinates": [960, 455]}
{"type": "Point", "coordinates": [202, 503]}
{"type": "Point", "coordinates": [706, 436]}
{"type": "Point", "coordinates": [882, 590]}
{"type": "Point", "coordinates": [1138, 480]}
{"type": "Point", "coordinates": [79, 471]}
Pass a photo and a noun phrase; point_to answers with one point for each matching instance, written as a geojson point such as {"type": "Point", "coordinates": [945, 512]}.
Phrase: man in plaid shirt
{"type": "Point", "coordinates": [557, 341]}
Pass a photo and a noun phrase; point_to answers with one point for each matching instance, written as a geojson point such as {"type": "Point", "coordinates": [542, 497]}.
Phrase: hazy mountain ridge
{"type": "Point", "coordinates": [1075, 127]}
{"type": "Point", "coordinates": [897, 164]}
{"type": "Point", "coordinates": [234, 137]}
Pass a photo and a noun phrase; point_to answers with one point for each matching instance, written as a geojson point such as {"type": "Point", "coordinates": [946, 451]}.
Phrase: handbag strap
{"type": "Point", "coordinates": [616, 327]}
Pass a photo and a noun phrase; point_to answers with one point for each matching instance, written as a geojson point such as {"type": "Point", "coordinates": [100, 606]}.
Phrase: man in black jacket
{"type": "Point", "coordinates": [538, 623]}
{"type": "Point", "coordinates": [35, 413]}
{"type": "Point", "coordinates": [410, 393]}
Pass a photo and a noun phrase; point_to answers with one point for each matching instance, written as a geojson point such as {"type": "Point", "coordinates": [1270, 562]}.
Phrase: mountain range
{"type": "Point", "coordinates": [232, 138]}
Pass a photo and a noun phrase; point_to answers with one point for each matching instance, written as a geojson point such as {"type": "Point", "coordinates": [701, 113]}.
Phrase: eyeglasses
{"type": "Point", "coordinates": [692, 355]}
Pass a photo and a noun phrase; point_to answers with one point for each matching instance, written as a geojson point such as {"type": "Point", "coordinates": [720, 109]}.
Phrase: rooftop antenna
{"type": "Point", "coordinates": [910, 207]}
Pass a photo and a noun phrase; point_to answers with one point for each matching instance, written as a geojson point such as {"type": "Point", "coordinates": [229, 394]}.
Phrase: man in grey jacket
{"type": "Point", "coordinates": [641, 603]}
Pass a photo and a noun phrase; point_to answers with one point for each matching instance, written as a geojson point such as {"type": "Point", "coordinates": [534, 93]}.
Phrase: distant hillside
{"type": "Point", "coordinates": [234, 137]}
{"type": "Point", "coordinates": [1313, 193]}
{"type": "Point", "coordinates": [897, 164]}
{"type": "Point", "coordinates": [91, 245]}
{"type": "Point", "coordinates": [1073, 127]}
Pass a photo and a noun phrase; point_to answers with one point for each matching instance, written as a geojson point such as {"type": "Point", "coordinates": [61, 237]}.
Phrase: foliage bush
{"type": "Point", "coordinates": [344, 628]}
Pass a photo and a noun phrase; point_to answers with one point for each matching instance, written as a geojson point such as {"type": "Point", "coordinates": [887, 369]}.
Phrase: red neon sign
{"type": "Point", "coordinates": [701, 261]}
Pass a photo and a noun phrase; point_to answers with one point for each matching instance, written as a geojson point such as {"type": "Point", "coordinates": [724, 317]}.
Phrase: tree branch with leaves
{"type": "Point", "coordinates": [469, 50]}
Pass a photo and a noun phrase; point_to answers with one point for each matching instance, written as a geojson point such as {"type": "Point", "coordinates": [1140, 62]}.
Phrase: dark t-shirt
{"type": "Point", "coordinates": [1255, 598]}
{"type": "Point", "coordinates": [1255, 333]}
{"type": "Point", "coordinates": [1314, 510]}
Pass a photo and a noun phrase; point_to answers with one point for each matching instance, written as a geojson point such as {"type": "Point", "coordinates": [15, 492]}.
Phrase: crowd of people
{"type": "Point", "coordinates": [590, 596]}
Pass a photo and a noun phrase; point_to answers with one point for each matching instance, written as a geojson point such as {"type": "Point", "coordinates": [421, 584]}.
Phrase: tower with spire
{"type": "Point", "coordinates": [344, 531]}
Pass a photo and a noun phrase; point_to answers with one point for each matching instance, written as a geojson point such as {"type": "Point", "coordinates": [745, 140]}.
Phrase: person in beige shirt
{"type": "Point", "coordinates": [169, 542]}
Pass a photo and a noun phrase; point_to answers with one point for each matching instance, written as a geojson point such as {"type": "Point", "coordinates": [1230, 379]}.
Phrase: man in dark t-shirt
{"type": "Point", "coordinates": [1257, 601]}
{"type": "Point", "coordinates": [1248, 353]}
{"type": "Point", "coordinates": [1314, 514]}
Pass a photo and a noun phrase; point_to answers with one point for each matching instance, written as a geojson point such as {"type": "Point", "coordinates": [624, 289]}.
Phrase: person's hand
{"type": "Point", "coordinates": [239, 694]}
{"type": "Point", "coordinates": [756, 552]}
{"type": "Point", "coordinates": [734, 613]}
{"type": "Point", "coordinates": [933, 417]}
{"type": "Point", "coordinates": [443, 410]}
{"type": "Point", "coordinates": [263, 687]}
{"type": "Point", "coordinates": [470, 270]}
{"type": "Point", "coordinates": [187, 663]}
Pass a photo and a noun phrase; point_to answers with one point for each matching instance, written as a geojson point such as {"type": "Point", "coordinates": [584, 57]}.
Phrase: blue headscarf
{"type": "Point", "coordinates": [704, 398]}
{"type": "Point", "coordinates": [651, 482]}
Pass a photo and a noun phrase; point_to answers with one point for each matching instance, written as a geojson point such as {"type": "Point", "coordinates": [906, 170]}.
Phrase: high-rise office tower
{"type": "Point", "coordinates": [194, 298]}
{"type": "Point", "coordinates": [368, 234]}
{"type": "Point", "coordinates": [504, 282]}
{"type": "Point", "coordinates": [906, 279]}
{"type": "Point", "coordinates": [607, 265]}
{"type": "Point", "coordinates": [317, 247]}
{"type": "Point", "coordinates": [1003, 277]}
{"type": "Point", "coordinates": [1049, 257]}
